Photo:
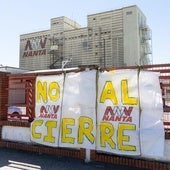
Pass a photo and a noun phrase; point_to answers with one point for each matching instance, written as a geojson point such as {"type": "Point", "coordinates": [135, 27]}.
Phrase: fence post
{"type": "Point", "coordinates": [87, 158]}
{"type": "Point", "coordinates": [3, 96]}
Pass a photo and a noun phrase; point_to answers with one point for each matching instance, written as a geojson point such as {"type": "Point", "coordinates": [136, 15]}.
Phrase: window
{"type": "Point", "coordinates": [85, 44]}
{"type": "Point", "coordinates": [129, 13]}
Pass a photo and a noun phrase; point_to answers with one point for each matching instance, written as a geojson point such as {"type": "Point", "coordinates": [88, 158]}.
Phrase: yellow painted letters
{"type": "Point", "coordinates": [106, 133]}
{"type": "Point", "coordinates": [41, 91]}
{"type": "Point", "coordinates": [54, 88]}
{"type": "Point", "coordinates": [50, 125]}
{"type": "Point", "coordinates": [85, 129]}
{"type": "Point", "coordinates": [108, 93]}
{"type": "Point", "coordinates": [33, 129]}
{"type": "Point", "coordinates": [126, 100]}
{"type": "Point", "coordinates": [53, 91]}
{"type": "Point", "coordinates": [67, 131]}
{"type": "Point", "coordinates": [124, 138]}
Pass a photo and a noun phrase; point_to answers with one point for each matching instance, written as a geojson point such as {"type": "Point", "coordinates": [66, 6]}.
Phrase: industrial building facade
{"type": "Point", "coordinates": [119, 37]}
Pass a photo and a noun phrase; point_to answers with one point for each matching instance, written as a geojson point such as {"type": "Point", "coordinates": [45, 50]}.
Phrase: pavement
{"type": "Point", "coordinates": [12, 159]}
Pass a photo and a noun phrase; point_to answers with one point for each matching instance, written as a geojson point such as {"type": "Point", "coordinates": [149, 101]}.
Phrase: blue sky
{"type": "Point", "coordinates": [21, 16]}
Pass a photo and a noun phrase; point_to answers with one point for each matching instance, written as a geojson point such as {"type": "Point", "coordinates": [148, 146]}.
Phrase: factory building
{"type": "Point", "coordinates": [118, 37]}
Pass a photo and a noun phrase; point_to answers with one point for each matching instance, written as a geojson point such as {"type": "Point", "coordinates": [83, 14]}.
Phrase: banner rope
{"type": "Point", "coordinates": [140, 109]}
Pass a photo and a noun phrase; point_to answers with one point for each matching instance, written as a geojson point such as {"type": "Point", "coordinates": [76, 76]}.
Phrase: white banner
{"type": "Point", "coordinates": [118, 112]}
{"type": "Point", "coordinates": [125, 121]}
{"type": "Point", "coordinates": [79, 110]}
{"type": "Point", "coordinates": [45, 128]}
{"type": "Point", "coordinates": [152, 129]}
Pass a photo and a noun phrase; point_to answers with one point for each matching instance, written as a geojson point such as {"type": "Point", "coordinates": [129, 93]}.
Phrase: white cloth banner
{"type": "Point", "coordinates": [45, 127]}
{"type": "Point", "coordinates": [125, 121]}
{"type": "Point", "coordinates": [151, 125]}
{"type": "Point", "coordinates": [79, 110]}
{"type": "Point", "coordinates": [118, 112]}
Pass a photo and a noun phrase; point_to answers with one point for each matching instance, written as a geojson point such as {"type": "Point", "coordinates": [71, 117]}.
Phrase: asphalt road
{"type": "Point", "coordinates": [11, 159]}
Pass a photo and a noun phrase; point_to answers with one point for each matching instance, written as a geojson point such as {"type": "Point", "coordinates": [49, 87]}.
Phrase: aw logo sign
{"type": "Point", "coordinates": [35, 47]}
